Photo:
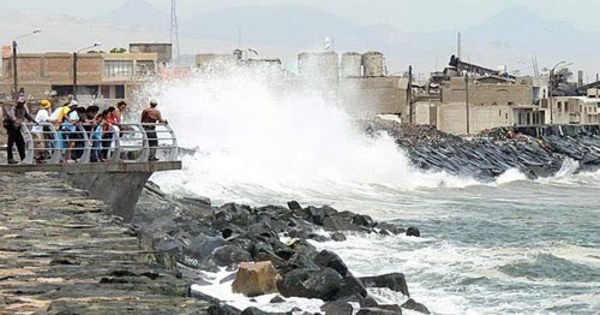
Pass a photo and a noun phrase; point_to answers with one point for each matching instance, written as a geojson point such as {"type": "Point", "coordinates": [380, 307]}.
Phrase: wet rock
{"type": "Point", "coordinates": [256, 311]}
{"type": "Point", "coordinates": [305, 248]}
{"type": "Point", "coordinates": [323, 284]}
{"type": "Point", "coordinates": [254, 279]}
{"type": "Point", "coordinates": [392, 281]}
{"type": "Point", "coordinates": [411, 304]}
{"type": "Point", "coordinates": [301, 261]}
{"type": "Point", "coordinates": [294, 205]}
{"type": "Point", "coordinates": [377, 311]}
{"type": "Point", "coordinates": [316, 215]}
{"type": "Point", "coordinates": [338, 236]}
{"type": "Point", "coordinates": [363, 220]}
{"type": "Point", "coordinates": [326, 258]}
{"type": "Point", "coordinates": [230, 277]}
{"type": "Point", "coordinates": [230, 256]}
{"type": "Point", "coordinates": [318, 237]}
{"type": "Point", "coordinates": [277, 261]}
{"type": "Point", "coordinates": [413, 231]}
{"type": "Point", "coordinates": [352, 287]}
{"type": "Point", "coordinates": [368, 301]}
{"type": "Point", "coordinates": [277, 299]}
{"type": "Point", "coordinates": [337, 308]}
{"type": "Point", "coordinates": [202, 246]}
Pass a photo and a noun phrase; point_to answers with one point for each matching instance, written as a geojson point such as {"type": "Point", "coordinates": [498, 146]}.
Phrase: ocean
{"type": "Point", "coordinates": [512, 246]}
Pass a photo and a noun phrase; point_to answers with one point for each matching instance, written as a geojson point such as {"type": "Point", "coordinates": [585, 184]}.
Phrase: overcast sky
{"type": "Point", "coordinates": [406, 15]}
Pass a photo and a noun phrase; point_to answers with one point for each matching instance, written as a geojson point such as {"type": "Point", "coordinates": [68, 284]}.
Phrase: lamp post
{"type": "Point", "coordinates": [15, 87]}
{"type": "Point", "coordinates": [467, 100]}
{"type": "Point", "coordinates": [75, 66]}
{"type": "Point", "coordinates": [551, 81]}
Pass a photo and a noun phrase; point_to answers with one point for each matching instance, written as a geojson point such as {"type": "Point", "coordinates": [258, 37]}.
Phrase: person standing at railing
{"type": "Point", "coordinates": [42, 116]}
{"type": "Point", "coordinates": [69, 130]}
{"type": "Point", "coordinates": [107, 132]}
{"type": "Point", "coordinates": [151, 115]}
{"type": "Point", "coordinates": [96, 139]}
{"type": "Point", "coordinates": [14, 117]}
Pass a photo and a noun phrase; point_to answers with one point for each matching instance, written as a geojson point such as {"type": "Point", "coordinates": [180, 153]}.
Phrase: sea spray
{"type": "Point", "coordinates": [257, 137]}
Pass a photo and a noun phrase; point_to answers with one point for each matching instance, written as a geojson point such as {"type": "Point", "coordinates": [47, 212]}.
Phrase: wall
{"type": "Point", "coordinates": [452, 118]}
{"type": "Point", "coordinates": [373, 95]}
{"type": "Point", "coordinates": [520, 93]}
{"type": "Point", "coordinates": [163, 50]}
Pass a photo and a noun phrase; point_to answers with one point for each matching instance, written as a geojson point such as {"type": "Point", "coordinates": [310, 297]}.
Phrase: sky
{"type": "Point", "coordinates": [405, 15]}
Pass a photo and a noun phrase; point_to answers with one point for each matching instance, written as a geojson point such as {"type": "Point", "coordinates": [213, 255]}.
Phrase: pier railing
{"type": "Point", "coordinates": [122, 143]}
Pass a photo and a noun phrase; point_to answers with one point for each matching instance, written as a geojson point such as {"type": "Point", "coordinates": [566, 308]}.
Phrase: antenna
{"type": "Point", "coordinates": [459, 46]}
{"type": "Point", "coordinates": [174, 35]}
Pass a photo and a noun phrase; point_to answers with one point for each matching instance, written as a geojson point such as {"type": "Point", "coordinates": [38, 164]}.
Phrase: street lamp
{"type": "Point", "coordinates": [551, 81]}
{"type": "Point", "coordinates": [15, 87]}
{"type": "Point", "coordinates": [75, 66]}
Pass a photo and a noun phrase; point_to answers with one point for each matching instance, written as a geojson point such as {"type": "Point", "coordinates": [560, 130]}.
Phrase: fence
{"type": "Point", "coordinates": [88, 144]}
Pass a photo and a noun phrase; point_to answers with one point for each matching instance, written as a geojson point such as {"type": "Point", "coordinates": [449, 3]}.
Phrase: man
{"type": "Point", "coordinates": [40, 132]}
{"type": "Point", "coordinates": [14, 118]}
{"type": "Point", "coordinates": [151, 115]}
{"type": "Point", "coordinates": [69, 129]}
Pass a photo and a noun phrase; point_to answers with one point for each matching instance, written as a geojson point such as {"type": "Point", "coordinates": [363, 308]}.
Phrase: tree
{"type": "Point", "coordinates": [562, 75]}
{"type": "Point", "coordinates": [118, 50]}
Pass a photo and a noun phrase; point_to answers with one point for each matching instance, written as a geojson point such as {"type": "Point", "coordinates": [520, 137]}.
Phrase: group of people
{"type": "Point", "coordinates": [71, 122]}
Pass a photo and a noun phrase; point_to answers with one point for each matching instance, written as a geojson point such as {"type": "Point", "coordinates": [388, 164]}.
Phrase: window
{"type": "Point", "coordinates": [118, 68]}
{"type": "Point", "coordinates": [119, 91]}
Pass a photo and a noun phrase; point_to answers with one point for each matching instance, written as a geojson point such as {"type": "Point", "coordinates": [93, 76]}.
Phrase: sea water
{"type": "Point", "coordinates": [514, 246]}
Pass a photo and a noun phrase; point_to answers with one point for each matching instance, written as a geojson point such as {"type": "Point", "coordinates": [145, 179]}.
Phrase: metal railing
{"type": "Point", "coordinates": [47, 143]}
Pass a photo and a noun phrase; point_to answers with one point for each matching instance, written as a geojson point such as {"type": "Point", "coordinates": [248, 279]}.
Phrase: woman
{"type": "Point", "coordinates": [40, 130]}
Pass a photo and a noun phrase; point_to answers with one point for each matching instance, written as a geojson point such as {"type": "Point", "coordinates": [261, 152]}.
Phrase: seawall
{"type": "Point", "coordinates": [62, 253]}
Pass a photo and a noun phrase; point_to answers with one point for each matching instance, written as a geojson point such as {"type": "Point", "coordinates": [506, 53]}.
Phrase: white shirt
{"type": "Point", "coordinates": [41, 117]}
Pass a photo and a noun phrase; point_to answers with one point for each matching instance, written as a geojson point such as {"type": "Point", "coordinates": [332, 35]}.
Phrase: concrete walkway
{"type": "Point", "coordinates": [60, 254]}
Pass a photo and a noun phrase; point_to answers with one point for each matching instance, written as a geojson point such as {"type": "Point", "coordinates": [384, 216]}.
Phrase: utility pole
{"type": "Point", "coordinates": [15, 79]}
{"type": "Point", "coordinates": [75, 53]}
{"type": "Point", "coordinates": [409, 95]}
{"type": "Point", "coordinates": [467, 99]}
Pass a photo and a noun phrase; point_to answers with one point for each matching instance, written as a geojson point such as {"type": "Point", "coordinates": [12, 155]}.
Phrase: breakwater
{"type": "Point", "coordinates": [536, 151]}
{"type": "Point", "coordinates": [61, 254]}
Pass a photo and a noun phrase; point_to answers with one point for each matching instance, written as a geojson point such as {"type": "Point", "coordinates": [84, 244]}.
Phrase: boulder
{"type": "Point", "coordinates": [327, 258]}
{"type": "Point", "coordinates": [415, 306]}
{"type": "Point", "coordinates": [277, 299]}
{"type": "Point", "coordinates": [202, 246]}
{"type": "Point", "coordinates": [393, 281]}
{"type": "Point", "coordinates": [329, 211]}
{"type": "Point", "coordinates": [303, 247]}
{"type": "Point", "coordinates": [256, 311]}
{"type": "Point", "coordinates": [301, 261]}
{"type": "Point", "coordinates": [377, 311]}
{"type": "Point", "coordinates": [337, 308]}
{"type": "Point", "coordinates": [352, 287]}
{"type": "Point", "coordinates": [316, 215]}
{"type": "Point", "coordinates": [294, 205]}
{"type": "Point", "coordinates": [413, 231]}
{"type": "Point", "coordinates": [323, 284]}
{"type": "Point", "coordinates": [254, 279]}
{"type": "Point", "coordinates": [338, 236]}
{"type": "Point", "coordinates": [363, 220]}
{"type": "Point", "coordinates": [277, 261]}
{"type": "Point", "coordinates": [230, 256]}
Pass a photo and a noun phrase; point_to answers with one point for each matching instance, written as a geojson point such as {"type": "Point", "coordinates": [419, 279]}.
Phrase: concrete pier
{"type": "Point", "coordinates": [60, 253]}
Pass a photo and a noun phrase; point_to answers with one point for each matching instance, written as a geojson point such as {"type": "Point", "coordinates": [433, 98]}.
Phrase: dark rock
{"type": "Point", "coordinates": [340, 223]}
{"type": "Point", "coordinates": [294, 205]}
{"type": "Point", "coordinates": [369, 301]}
{"type": "Point", "coordinates": [202, 246]}
{"type": "Point", "coordinates": [230, 277]}
{"type": "Point", "coordinates": [415, 306]}
{"type": "Point", "coordinates": [329, 211]}
{"type": "Point", "coordinates": [255, 311]}
{"type": "Point", "coordinates": [277, 299]}
{"type": "Point", "coordinates": [390, 307]}
{"type": "Point", "coordinates": [277, 261]}
{"type": "Point", "coordinates": [338, 236]}
{"type": "Point", "coordinates": [202, 202]}
{"type": "Point", "coordinates": [392, 281]}
{"type": "Point", "coordinates": [301, 261]}
{"type": "Point", "coordinates": [337, 308]}
{"type": "Point", "coordinates": [324, 284]}
{"type": "Point", "coordinates": [376, 311]}
{"type": "Point", "coordinates": [318, 237]}
{"type": "Point", "coordinates": [303, 247]}
{"type": "Point", "coordinates": [230, 255]}
{"type": "Point", "coordinates": [363, 220]}
{"type": "Point", "coordinates": [413, 231]}
{"type": "Point", "coordinates": [327, 258]}
{"type": "Point", "coordinates": [316, 215]}
{"type": "Point", "coordinates": [226, 233]}
{"type": "Point", "coordinates": [222, 309]}
{"type": "Point", "coordinates": [352, 287]}
{"type": "Point", "coordinates": [384, 226]}
{"type": "Point", "coordinates": [297, 233]}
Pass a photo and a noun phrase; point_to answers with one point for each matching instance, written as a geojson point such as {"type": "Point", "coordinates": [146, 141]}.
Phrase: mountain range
{"type": "Point", "coordinates": [512, 37]}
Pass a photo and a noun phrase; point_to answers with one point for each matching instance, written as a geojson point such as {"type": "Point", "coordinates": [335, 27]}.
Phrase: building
{"type": "Point", "coordinates": [99, 75]}
{"type": "Point", "coordinates": [577, 109]}
{"type": "Point", "coordinates": [164, 51]}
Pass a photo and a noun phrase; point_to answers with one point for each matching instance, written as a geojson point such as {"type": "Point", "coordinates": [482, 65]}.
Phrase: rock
{"type": "Point", "coordinates": [294, 205]}
{"type": "Point", "coordinates": [230, 255]}
{"type": "Point", "coordinates": [393, 281]}
{"type": "Point", "coordinates": [318, 237]}
{"type": "Point", "coordinates": [329, 211]}
{"type": "Point", "coordinates": [316, 215]}
{"type": "Point", "coordinates": [256, 311]}
{"type": "Point", "coordinates": [390, 307]}
{"type": "Point", "coordinates": [369, 301]}
{"type": "Point", "coordinates": [303, 247]}
{"type": "Point", "coordinates": [340, 223]}
{"type": "Point", "coordinates": [277, 299]}
{"type": "Point", "coordinates": [254, 279]}
{"type": "Point", "coordinates": [338, 236]}
{"type": "Point", "coordinates": [202, 202]}
{"type": "Point", "coordinates": [352, 287]}
{"type": "Point", "coordinates": [230, 277]}
{"type": "Point", "coordinates": [377, 311]}
{"type": "Point", "coordinates": [277, 261]}
{"type": "Point", "coordinates": [323, 284]}
{"type": "Point", "coordinates": [202, 246]}
{"type": "Point", "coordinates": [222, 309]}
{"type": "Point", "coordinates": [337, 308]}
{"type": "Point", "coordinates": [413, 231]}
{"type": "Point", "coordinates": [327, 258]}
{"type": "Point", "coordinates": [415, 306]}
{"type": "Point", "coordinates": [301, 261]}
{"type": "Point", "coordinates": [363, 220]}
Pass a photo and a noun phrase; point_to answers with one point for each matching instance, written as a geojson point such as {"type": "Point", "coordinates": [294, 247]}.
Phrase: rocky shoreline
{"type": "Point", "coordinates": [202, 237]}
{"type": "Point", "coordinates": [536, 151]}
